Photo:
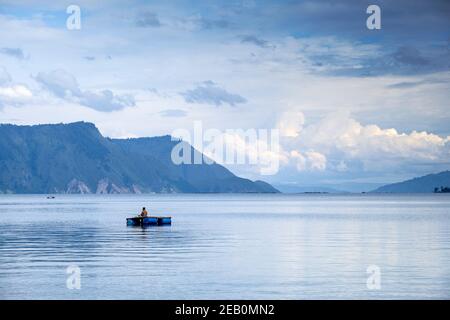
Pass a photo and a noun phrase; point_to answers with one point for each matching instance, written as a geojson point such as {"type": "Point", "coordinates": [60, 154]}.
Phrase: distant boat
{"type": "Point", "coordinates": [149, 221]}
{"type": "Point", "coordinates": [51, 197]}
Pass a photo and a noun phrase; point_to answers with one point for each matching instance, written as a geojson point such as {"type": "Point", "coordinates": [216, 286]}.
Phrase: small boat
{"type": "Point", "coordinates": [149, 221]}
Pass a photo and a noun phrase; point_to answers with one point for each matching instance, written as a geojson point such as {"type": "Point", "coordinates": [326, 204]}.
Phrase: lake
{"type": "Point", "coordinates": [223, 246]}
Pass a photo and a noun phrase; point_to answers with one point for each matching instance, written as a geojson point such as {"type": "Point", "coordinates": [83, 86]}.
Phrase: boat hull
{"type": "Point", "coordinates": [149, 221]}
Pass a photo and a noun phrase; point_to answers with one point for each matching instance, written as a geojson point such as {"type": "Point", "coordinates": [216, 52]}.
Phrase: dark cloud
{"type": "Point", "coordinates": [199, 22]}
{"type": "Point", "coordinates": [64, 85]}
{"type": "Point", "coordinates": [413, 84]}
{"type": "Point", "coordinates": [408, 60]}
{"type": "Point", "coordinates": [173, 113]}
{"type": "Point", "coordinates": [13, 52]}
{"type": "Point", "coordinates": [409, 56]}
{"type": "Point", "coordinates": [148, 20]}
{"type": "Point", "coordinates": [256, 41]}
{"type": "Point", "coordinates": [404, 60]}
{"type": "Point", "coordinates": [412, 18]}
{"type": "Point", "coordinates": [209, 93]}
{"type": "Point", "coordinates": [213, 24]}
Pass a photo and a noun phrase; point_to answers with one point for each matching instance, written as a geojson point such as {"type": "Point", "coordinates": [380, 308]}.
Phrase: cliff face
{"type": "Point", "coordinates": [76, 158]}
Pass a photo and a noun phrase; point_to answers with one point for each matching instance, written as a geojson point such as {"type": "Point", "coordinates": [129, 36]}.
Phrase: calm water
{"type": "Point", "coordinates": [226, 246]}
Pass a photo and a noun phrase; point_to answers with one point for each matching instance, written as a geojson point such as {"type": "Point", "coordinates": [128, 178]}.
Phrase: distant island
{"type": "Point", "coordinates": [424, 184]}
{"type": "Point", "coordinates": [294, 189]}
{"type": "Point", "coordinates": [76, 158]}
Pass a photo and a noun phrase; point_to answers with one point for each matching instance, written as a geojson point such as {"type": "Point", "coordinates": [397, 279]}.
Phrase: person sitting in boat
{"type": "Point", "coordinates": [144, 212]}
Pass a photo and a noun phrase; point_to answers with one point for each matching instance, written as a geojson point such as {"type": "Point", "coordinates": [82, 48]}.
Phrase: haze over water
{"type": "Point", "coordinates": [223, 246]}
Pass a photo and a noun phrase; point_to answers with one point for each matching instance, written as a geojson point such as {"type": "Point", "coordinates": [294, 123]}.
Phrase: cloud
{"type": "Point", "coordinates": [10, 93]}
{"type": "Point", "coordinates": [4, 76]}
{"type": "Point", "coordinates": [14, 95]}
{"type": "Point", "coordinates": [309, 160]}
{"type": "Point", "coordinates": [417, 20]}
{"type": "Point", "coordinates": [256, 41]}
{"type": "Point", "coordinates": [64, 85]}
{"type": "Point", "coordinates": [290, 123]}
{"type": "Point", "coordinates": [338, 139]}
{"type": "Point", "coordinates": [148, 20]}
{"type": "Point", "coordinates": [404, 60]}
{"type": "Point", "coordinates": [413, 84]}
{"type": "Point", "coordinates": [410, 56]}
{"type": "Point", "coordinates": [209, 24]}
{"type": "Point", "coordinates": [339, 147]}
{"type": "Point", "coordinates": [158, 93]}
{"type": "Point", "coordinates": [13, 52]}
{"type": "Point", "coordinates": [60, 83]}
{"type": "Point", "coordinates": [173, 113]}
{"type": "Point", "coordinates": [209, 93]}
{"type": "Point", "coordinates": [198, 22]}
{"type": "Point", "coordinates": [337, 56]}
{"type": "Point", "coordinates": [245, 148]}
{"type": "Point", "coordinates": [15, 92]}
{"type": "Point", "coordinates": [106, 100]}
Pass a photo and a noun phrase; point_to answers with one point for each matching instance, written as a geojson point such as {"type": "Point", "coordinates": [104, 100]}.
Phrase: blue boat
{"type": "Point", "coordinates": [149, 221]}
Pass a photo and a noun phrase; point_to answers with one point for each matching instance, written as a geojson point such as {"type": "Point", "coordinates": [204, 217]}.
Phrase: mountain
{"type": "Point", "coordinates": [76, 158]}
{"type": "Point", "coordinates": [423, 184]}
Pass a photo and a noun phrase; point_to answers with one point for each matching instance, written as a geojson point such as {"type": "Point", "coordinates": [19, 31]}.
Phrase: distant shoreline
{"type": "Point", "coordinates": [56, 195]}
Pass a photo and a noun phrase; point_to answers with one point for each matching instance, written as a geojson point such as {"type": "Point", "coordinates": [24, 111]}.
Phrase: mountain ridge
{"type": "Point", "coordinates": [76, 158]}
{"type": "Point", "coordinates": [423, 184]}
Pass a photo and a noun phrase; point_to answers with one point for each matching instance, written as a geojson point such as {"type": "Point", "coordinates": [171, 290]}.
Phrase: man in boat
{"type": "Point", "coordinates": [144, 212]}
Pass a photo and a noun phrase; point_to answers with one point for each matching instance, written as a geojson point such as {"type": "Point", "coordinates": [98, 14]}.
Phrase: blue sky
{"type": "Point", "coordinates": [357, 107]}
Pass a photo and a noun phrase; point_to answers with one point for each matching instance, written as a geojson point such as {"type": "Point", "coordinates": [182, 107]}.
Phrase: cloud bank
{"type": "Point", "coordinates": [13, 52]}
{"type": "Point", "coordinates": [12, 93]}
{"type": "Point", "coordinates": [64, 85]}
{"type": "Point", "coordinates": [338, 140]}
{"type": "Point", "coordinates": [210, 93]}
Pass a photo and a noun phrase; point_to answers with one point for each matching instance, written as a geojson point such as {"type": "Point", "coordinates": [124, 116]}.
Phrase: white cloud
{"type": "Point", "coordinates": [258, 152]}
{"type": "Point", "coordinates": [309, 160]}
{"type": "Point", "coordinates": [15, 92]}
{"type": "Point", "coordinates": [290, 123]}
{"type": "Point", "coordinates": [317, 160]}
{"type": "Point", "coordinates": [340, 144]}
{"type": "Point", "coordinates": [339, 138]}
{"type": "Point", "coordinates": [11, 93]}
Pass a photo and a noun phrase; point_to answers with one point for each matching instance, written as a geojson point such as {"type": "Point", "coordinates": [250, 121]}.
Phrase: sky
{"type": "Point", "coordinates": [355, 108]}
